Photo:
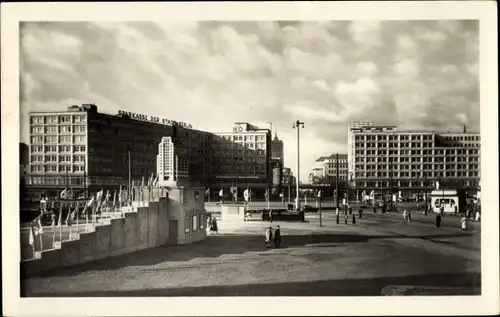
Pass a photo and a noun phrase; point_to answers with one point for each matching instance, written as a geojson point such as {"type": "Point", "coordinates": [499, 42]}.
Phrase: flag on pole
{"type": "Point", "coordinates": [68, 218]}
{"type": "Point", "coordinates": [120, 195]}
{"type": "Point", "coordinates": [114, 198]}
{"type": "Point", "coordinates": [319, 193]}
{"type": "Point", "coordinates": [246, 194]}
{"type": "Point", "coordinates": [155, 182]}
{"type": "Point", "coordinates": [207, 192]}
{"type": "Point", "coordinates": [64, 194]}
{"type": "Point", "coordinates": [32, 237]}
{"type": "Point", "coordinates": [267, 193]}
{"type": "Point", "coordinates": [221, 193]}
{"type": "Point", "coordinates": [142, 181]}
{"type": "Point", "coordinates": [74, 214]}
{"type": "Point", "coordinates": [99, 195]}
{"type": "Point", "coordinates": [40, 227]}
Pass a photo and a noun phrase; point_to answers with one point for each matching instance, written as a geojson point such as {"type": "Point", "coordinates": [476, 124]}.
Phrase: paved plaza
{"type": "Point", "coordinates": [379, 255]}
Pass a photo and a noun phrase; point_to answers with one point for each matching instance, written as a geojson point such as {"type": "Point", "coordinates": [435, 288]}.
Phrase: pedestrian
{"type": "Point", "coordinates": [269, 237]}
{"type": "Point", "coordinates": [464, 223]}
{"type": "Point", "coordinates": [350, 210]}
{"type": "Point", "coordinates": [353, 220]}
{"type": "Point", "coordinates": [346, 217]}
{"type": "Point", "coordinates": [361, 212]}
{"type": "Point", "coordinates": [215, 228]}
{"type": "Point", "coordinates": [438, 220]}
{"type": "Point", "coordinates": [405, 213]}
{"type": "Point", "coordinates": [409, 215]}
{"type": "Point", "coordinates": [271, 216]}
{"type": "Point", "coordinates": [478, 215]}
{"type": "Point", "coordinates": [374, 209]}
{"type": "Point", "coordinates": [277, 237]}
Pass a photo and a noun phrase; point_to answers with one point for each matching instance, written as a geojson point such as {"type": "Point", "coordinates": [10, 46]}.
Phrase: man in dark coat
{"type": "Point", "coordinates": [277, 237]}
{"type": "Point", "coordinates": [438, 220]}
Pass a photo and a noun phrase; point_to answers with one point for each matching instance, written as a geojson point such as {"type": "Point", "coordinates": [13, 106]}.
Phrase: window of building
{"type": "Point", "coordinates": [65, 139]}
{"type": "Point", "coordinates": [36, 148]}
{"type": "Point", "coordinates": [65, 129]}
{"type": "Point", "coordinates": [79, 118]}
{"type": "Point", "coordinates": [36, 158]}
{"type": "Point", "coordinates": [36, 168]}
{"type": "Point", "coordinates": [50, 168]}
{"type": "Point", "coordinates": [37, 119]}
{"type": "Point", "coordinates": [64, 119]}
{"type": "Point", "coordinates": [36, 139]}
{"type": "Point", "coordinates": [65, 158]}
{"type": "Point", "coordinates": [79, 138]}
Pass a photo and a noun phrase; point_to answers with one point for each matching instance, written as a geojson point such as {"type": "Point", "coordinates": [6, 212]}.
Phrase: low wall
{"type": "Point", "coordinates": [140, 228]}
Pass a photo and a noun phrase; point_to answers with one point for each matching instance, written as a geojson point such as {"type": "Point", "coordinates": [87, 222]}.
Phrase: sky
{"type": "Point", "coordinates": [414, 74]}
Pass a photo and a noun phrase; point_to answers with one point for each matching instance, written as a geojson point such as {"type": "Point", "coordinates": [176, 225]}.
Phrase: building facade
{"type": "Point", "coordinates": [326, 168]}
{"type": "Point", "coordinates": [277, 150]}
{"type": "Point", "coordinates": [86, 151]}
{"type": "Point", "coordinates": [172, 165]}
{"type": "Point", "coordinates": [243, 159]}
{"type": "Point", "coordinates": [386, 158]}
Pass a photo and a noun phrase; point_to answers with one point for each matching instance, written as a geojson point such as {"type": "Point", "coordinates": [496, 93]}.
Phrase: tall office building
{"type": "Point", "coordinates": [277, 150]}
{"type": "Point", "coordinates": [386, 158]}
{"type": "Point", "coordinates": [172, 166]}
{"type": "Point", "coordinates": [243, 158]}
{"type": "Point", "coordinates": [84, 150]}
{"type": "Point", "coordinates": [351, 126]}
{"type": "Point", "coordinates": [325, 168]}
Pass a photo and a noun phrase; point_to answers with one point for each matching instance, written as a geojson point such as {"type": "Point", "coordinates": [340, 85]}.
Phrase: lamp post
{"type": "Point", "coordinates": [296, 125]}
{"type": "Point", "coordinates": [425, 195]}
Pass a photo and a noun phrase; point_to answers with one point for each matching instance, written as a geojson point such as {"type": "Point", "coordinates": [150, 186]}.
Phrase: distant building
{"type": "Point", "coordinates": [386, 158]}
{"type": "Point", "coordinates": [277, 150]}
{"type": "Point", "coordinates": [172, 166]}
{"type": "Point", "coordinates": [326, 168]}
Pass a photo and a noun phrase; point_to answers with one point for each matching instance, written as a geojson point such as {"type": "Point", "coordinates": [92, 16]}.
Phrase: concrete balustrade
{"type": "Point", "coordinates": [140, 227]}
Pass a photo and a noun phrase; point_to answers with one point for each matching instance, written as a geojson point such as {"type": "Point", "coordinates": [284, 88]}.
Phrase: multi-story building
{"type": "Point", "coordinates": [353, 126]}
{"type": "Point", "coordinates": [277, 150]}
{"type": "Point", "coordinates": [326, 168]}
{"type": "Point", "coordinates": [172, 165]}
{"type": "Point", "coordinates": [386, 158]}
{"type": "Point", "coordinates": [84, 150]}
{"type": "Point", "coordinates": [243, 158]}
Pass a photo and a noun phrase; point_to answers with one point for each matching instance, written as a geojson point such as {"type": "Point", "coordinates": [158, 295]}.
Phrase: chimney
{"type": "Point", "coordinates": [465, 128]}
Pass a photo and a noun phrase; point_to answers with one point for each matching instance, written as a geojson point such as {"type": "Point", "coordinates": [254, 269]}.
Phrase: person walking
{"type": "Point", "coordinates": [346, 217]}
{"type": "Point", "coordinates": [438, 220]}
{"type": "Point", "coordinates": [271, 216]}
{"type": "Point", "coordinates": [408, 215]}
{"type": "Point", "coordinates": [277, 237]}
{"type": "Point", "coordinates": [215, 228]}
{"type": "Point", "coordinates": [405, 215]}
{"type": "Point", "coordinates": [269, 237]}
{"type": "Point", "coordinates": [464, 223]}
{"type": "Point", "coordinates": [360, 212]}
{"type": "Point", "coordinates": [353, 219]}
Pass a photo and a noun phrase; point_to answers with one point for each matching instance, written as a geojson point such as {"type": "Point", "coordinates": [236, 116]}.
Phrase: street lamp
{"type": "Point", "coordinates": [296, 125]}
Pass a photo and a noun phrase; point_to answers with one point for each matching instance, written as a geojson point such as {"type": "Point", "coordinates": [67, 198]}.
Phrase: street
{"type": "Point", "coordinates": [378, 254]}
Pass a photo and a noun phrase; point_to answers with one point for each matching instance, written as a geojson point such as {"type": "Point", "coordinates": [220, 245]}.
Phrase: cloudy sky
{"type": "Point", "coordinates": [416, 74]}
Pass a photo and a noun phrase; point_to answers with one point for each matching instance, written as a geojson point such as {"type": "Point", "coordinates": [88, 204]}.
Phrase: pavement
{"type": "Point", "coordinates": [379, 255]}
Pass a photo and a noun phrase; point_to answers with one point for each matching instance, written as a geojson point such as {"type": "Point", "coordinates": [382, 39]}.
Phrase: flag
{"type": "Point", "coordinates": [68, 218]}
{"type": "Point", "coordinates": [120, 195]}
{"type": "Point", "coordinates": [59, 221]}
{"type": "Point", "coordinates": [114, 198]}
{"type": "Point", "coordinates": [246, 194]}
{"type": "Point", "coordinates": [142, 181]}
{"type": "Point", "coordinates": [99, 195]}
{"type": "Point", "coordinates": [221, 193]}
{"type": "Point", "coordinates": [372, 194]}
{"type": "Point", "coordinates": [108, 196]}
{"type": "Point", "coordinates": [155, 182]}
{"type": "Point", "coordinates": [40, 227]}
{"type": "Point", "coordinates": [91, 202]}
{"type": "Point", "coordinates": [267, 193]}
{"type": "Point", "coordinates": [151, 180]}
{"type": "Point", "coordinates": [319, 193]}
{"type": "Point", "coordinates": [64, 194]}
{"type": "Point", "coordinates": [74, 214]}
{"type": "Point", "coordinates": [32, 237]}
{"type": "Point", "coordinates": [207, 192]}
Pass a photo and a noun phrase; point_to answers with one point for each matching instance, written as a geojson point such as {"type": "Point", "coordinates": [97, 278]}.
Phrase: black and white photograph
{"type": "Point", "coordinates": [246, 157]}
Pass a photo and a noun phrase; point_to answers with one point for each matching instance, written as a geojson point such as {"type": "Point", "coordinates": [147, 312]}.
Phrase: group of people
{"type": "Point", "coordinates": [273, 237]}
{"type": "Point", "coordinates": [212, 225]}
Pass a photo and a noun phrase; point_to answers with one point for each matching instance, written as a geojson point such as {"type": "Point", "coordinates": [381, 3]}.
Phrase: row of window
{"type": "Point", "coordinates": [416, 184]}
{"type": "Point", "coordinates": [471, 166]}
{"type": "Point", "coordinates": [57, 119]}
{"type": "Point", "coordinates": [38, 139]}
{"type": "Point", "coordinates": [56, 168]}
{"type": "Point", "coordinates": [55, 148]}
{"type": "Point", "coordinates": [416, 152]}
{"type": "Point", "coordinates": [413, 137]}
{"type": "Point", "coordinates": [378, 174]}
{"type": "Point", "coordinates": [396, 160]}
{"type": "Point", "coordinates": [244, 137]}
{"type": "Point", "coordinates": [58, 129]}
{"type": "Point", "coordinates": [56, 158]}
{"type": "Point", "coordinates": [260, 146]}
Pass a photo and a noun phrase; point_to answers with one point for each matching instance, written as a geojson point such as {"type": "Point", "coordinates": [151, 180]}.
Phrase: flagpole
{"type": "Point", "coordinates": [60, 223]}
{"type": "Point", "coordinates": [32, 240]}
{"type": "Point", "coordinates": [77, 228]}
{"type": "Point", "coordinates": [320, 213]}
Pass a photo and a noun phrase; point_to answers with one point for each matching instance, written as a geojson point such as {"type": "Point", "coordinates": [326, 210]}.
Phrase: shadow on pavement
{"type": "Point", "coordinates": [215, 246]}
{"type": "Point", "coordinates": [346, 287]}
